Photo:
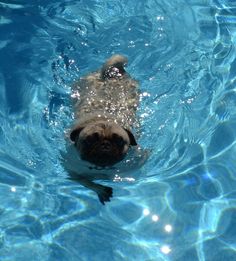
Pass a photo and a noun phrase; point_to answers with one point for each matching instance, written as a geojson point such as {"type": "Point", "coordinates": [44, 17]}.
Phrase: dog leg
{"type": "Point", "coordinates": [104, 192]}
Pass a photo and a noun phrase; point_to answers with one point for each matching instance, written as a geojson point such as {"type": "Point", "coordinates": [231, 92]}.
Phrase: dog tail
{"type": "Point", "coordinates": [114, 67]}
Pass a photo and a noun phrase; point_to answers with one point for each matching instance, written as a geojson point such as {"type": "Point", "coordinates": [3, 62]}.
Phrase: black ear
{"type": "Point", "coordinates": [75, 132]}
{"type": "Point", "coordinates": [131, 138]}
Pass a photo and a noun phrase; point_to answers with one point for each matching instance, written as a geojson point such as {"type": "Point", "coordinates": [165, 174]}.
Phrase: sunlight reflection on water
{"type": "Point", "coordinates": [181, 204]}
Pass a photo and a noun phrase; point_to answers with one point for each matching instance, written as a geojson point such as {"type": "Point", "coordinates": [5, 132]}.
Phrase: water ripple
{"type": "Point", "coordinates": [182, 203]}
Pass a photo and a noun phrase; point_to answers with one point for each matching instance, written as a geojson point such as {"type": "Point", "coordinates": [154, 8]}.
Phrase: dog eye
{"type": "Point", "coordinates": [92, 138]}
{"type": "Point", "coordinates": [95, 136]}
{"type": "Point", "coordinates": [118, 140]}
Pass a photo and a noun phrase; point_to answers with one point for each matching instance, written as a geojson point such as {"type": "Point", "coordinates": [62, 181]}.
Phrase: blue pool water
{"type": "Point", "coordinates": [182, 202]}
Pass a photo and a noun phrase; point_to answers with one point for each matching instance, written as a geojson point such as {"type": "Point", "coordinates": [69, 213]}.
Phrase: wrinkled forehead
{"type": "Point", "coordinates": [104, 125]}
{"type": "Point", "coordinates": [105, 128]}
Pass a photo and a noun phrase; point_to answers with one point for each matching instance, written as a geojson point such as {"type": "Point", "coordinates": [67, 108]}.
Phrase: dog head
{"type": "Point", "coordinates": [102, 143]}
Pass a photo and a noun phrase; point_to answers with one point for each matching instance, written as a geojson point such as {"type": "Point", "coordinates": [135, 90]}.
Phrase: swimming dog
{"type": "Point", "coordinates": [105, 104]}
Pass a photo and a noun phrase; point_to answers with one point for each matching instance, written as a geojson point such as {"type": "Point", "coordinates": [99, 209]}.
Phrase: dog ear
{"type": "Point", "coordinates": [131, 138]}
{"type": "Point", "coordinates": [75, 132]}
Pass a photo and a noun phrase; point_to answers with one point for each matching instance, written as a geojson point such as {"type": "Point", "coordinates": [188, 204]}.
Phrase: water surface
{"type": "Point", "coordinates": [181, 205]}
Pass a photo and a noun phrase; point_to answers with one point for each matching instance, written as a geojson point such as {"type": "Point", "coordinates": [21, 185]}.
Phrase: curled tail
{"type": "Point", "coordinates": [114, 67]}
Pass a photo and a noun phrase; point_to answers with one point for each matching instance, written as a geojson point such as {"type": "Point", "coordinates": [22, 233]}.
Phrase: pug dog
{"type": "Point", "coordinates": [105, 104]}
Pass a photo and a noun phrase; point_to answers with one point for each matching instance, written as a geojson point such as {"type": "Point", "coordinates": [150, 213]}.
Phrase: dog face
{"type": "Point", "coordinates": [102, 143]}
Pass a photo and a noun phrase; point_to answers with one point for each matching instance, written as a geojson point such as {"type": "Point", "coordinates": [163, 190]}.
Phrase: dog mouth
{"type": "Point", "coordinates": [103, 155]}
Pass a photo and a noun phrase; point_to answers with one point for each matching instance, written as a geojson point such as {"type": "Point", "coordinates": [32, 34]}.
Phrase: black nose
{"type": "Point", "coordinates": [106, 145]}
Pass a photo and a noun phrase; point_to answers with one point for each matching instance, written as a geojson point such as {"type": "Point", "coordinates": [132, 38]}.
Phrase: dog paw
{"type": "Point", "coordinates": [105, 194]}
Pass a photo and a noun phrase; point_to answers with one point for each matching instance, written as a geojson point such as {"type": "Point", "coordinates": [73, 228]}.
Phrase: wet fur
{"type": "Point", "coordinates": [105, 104]}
